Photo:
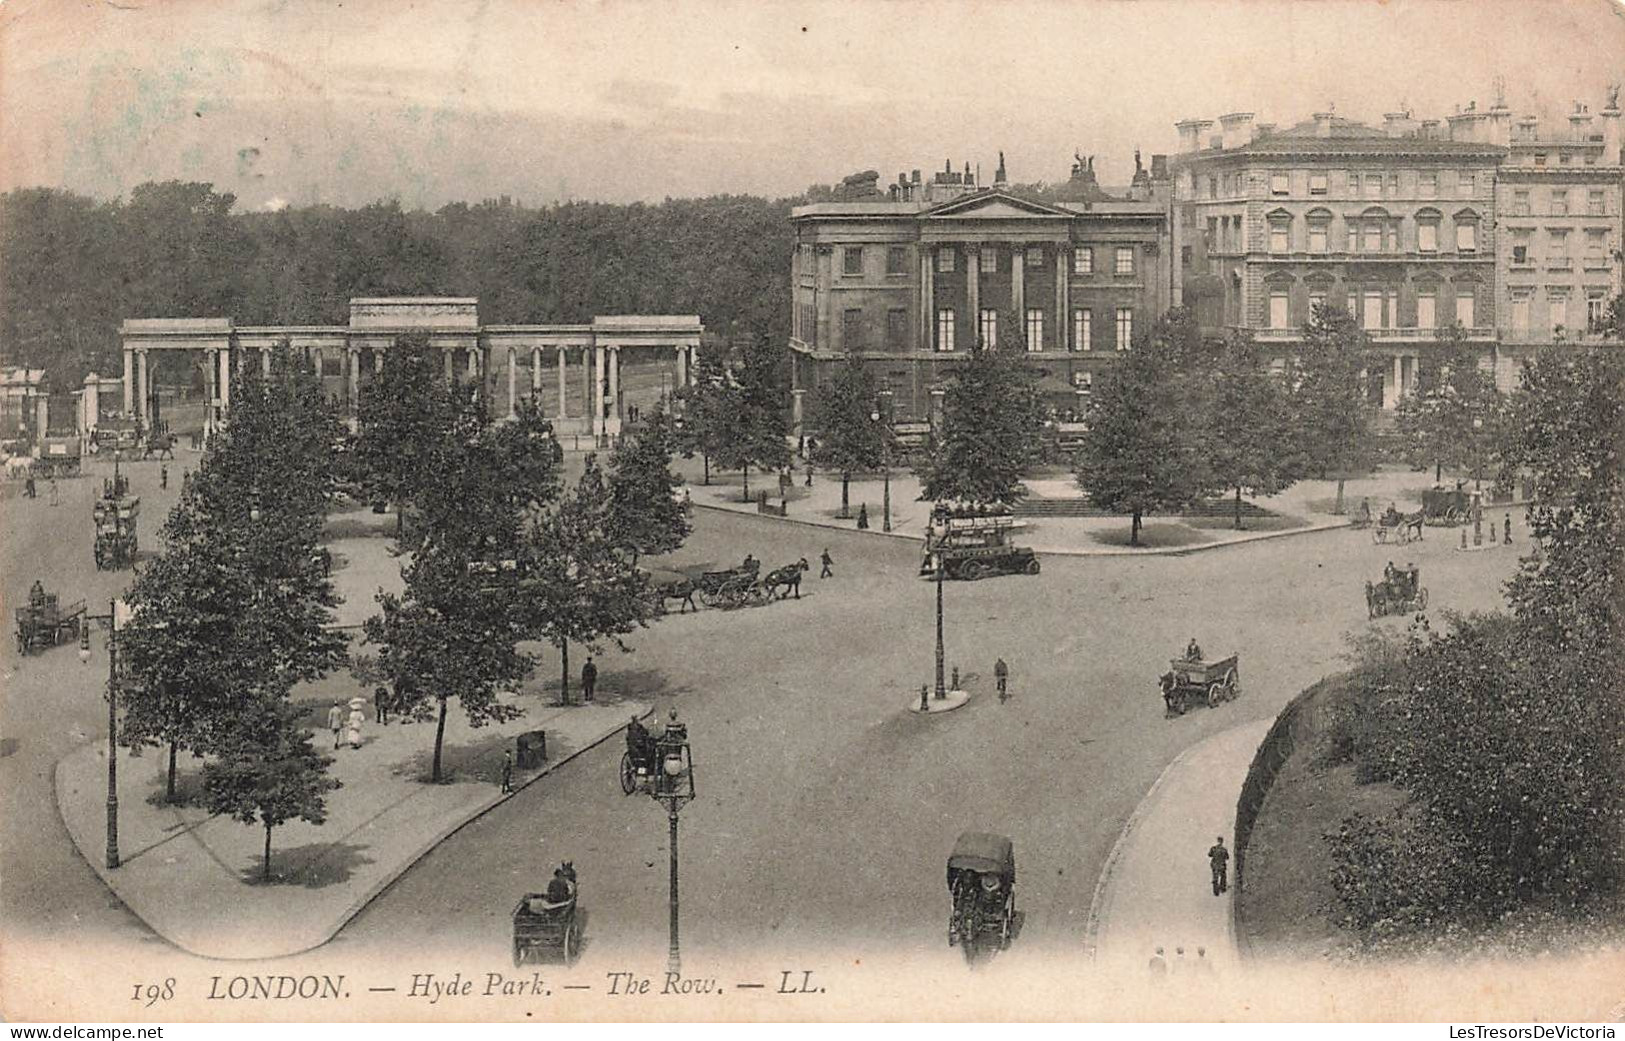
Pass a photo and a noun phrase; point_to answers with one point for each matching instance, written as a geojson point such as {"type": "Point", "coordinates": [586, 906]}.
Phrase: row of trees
{"type": "Point", "coordinates": [733, 410]}
{"type": "Point", "coordinates": [499, 551]}
{"type": "Point", "coordinates": [235, 612]}
{"type": "Point", "coordinates": [72, 267]}
{"type": "Point", "coordinates": [1506, 733]}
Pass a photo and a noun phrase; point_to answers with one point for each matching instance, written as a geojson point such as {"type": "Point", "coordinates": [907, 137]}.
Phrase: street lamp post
{"type": "Point", "coordinates": [111, 620]}
{"type": "Point", "coordinates": [885, 471]}
{"type": "Point", "coordinates": [673, 787]}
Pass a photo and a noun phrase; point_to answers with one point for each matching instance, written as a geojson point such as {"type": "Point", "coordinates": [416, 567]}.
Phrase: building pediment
{"type": "Point", "coordinates": [994, 205]}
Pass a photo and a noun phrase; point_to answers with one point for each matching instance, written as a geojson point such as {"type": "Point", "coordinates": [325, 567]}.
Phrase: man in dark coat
{"type": "Point", "coordinates": [589, 677]}
{"type": "Point", "coordinates": [1218, 859]}
{"type": "Point", "coordinates": [1001, 675]}
{"type": "Point", "coordinates": [638, 741]}
{"type": "Point", "coordinates": [828, 562]}
{"type": "Point", "coordinates": [558, 890]}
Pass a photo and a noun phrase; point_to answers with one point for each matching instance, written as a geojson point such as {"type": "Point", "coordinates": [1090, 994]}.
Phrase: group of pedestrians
{"type": "Point", "coordinates": [1162, 967]}
{"type": "Point", "coordinates": [346, 727]}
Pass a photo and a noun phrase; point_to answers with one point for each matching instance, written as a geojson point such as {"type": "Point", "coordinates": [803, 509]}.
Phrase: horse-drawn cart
{"type": "Point", "coordinates": [1190, 682]}
{"type": "Point", "coordinates": [541, 925]}
{"type": "Point", "coordinates": [44, 622]}
{"type": "Point", "coordinates": [1400, 592]}
{"type": "Point", "coordinates": [1447, 507]}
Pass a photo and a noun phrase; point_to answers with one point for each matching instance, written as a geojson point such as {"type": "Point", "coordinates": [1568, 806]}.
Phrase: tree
{"type": "Point", "coordinates": [848, 439]}
{"type": "Point", "coordinates": [991, 434]}
{"type": "Point", "coordinates": [1249, 435]}
{"type": "Point", "coordinates": [1452, 416]}
{"type": "Point", "coordinates": [646, 514]}
{"type": "Point", "coordinates": [403, 413]}
{"type": "Point", "coordinates": [1331, 412]}
{"type": "Point", "coordinates": [757, 434]}
{"type": "Point", "coordinates": [1147, 447]}
{"type": "Point", "coordinates": [576, 587]}
{"type": "Point", "coordinates": [710, 409]}
{"type": "Point", "coordinates": [268, 772]}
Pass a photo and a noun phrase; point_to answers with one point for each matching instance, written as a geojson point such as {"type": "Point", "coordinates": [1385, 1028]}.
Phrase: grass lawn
{"type": "Point", "coordinates": [1152, 535]}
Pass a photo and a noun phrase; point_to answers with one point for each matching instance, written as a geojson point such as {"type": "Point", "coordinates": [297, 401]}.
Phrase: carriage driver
{"type": "Point", "coordinates": [558, 890]}
{"type": "Point", "coordinates": [1193, 652]}
{"type": "Point", "coordinates": [639, 744]}
{"type": "Point", "coordinates": [36, 594]}
{"type": "Point", "coordinates": [1390, 516]}
{"type": "Point", "coordinates": [990, 889]}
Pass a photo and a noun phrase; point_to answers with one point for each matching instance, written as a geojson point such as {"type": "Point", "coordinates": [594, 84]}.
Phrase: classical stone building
{"type": "Point", "coordinates": [511, 361]}
{"type": "Point", "coordinates": [912, 279]}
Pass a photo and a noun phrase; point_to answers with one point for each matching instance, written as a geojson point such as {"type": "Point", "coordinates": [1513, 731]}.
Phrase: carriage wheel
{"type": "Point", "coordinates": [1005, 927]}
{"type": "Point", "coordinates": [1215, 693]}
{"type": "Point", "coordinates": [1232, 685]}
{"type": "Point", "coordinates": [518, 953]}
{"type": "Point", "coordinates": [629, 776]}
{"type": "Point", "coordinates": [1031, 568]}
{"type": "Point", "coordinates": [1378, 536]}
{"type": "Point", "coordinates": [972, 570]}
{"type": "Point", "coordinates": [708, 597]}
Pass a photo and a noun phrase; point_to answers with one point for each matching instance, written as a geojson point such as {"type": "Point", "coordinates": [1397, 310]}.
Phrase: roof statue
{"type": "Point", "coordinates": [1613, 95]}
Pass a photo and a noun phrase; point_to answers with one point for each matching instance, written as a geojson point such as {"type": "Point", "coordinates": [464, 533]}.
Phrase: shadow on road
{"type": "Point", "coordinates": [314, 865]}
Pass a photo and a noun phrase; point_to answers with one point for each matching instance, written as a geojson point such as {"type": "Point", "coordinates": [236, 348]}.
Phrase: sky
{"type": "Point", "coordinates": [318, 101]}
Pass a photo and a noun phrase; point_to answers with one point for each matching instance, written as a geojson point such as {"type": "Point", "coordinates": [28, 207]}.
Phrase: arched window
{"type": "Point", "coordinates": [1319, 222]}
{"type": "Point", "coordinates": [1280, 225]}
{"type": "Point", "coordinates": [1466, 231]}
{"type": "Point", "coordinates": [1427, 229]}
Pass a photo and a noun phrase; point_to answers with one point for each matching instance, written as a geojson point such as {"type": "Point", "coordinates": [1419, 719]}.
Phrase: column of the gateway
{"type": "Point", "coordinates": [129, 381]}
{"type": "Point", "coordinates": [353, 357]}
{"type": "Point", "coordinates": [562, 362]}
{"type": "Point", "coordinates": [586, 387]}
{"type": "Point", "coordinates": [225, 379]}
{"type": "Point", "coordinates": [451, 375]}
{"type": "Point", "coordinates": [513, 400]}
{"type": "Point", "coordinates": [211, 394]}
{"type": "Point", "coordinates": [682, 366]}
{"type": "Point", "coordinates": [597, 399]}
{"type": "Point", "coordinates": [141, 386]}
{"type": "Point", "coordinates": [615, 389]}
{"type": "Point", "coordinates": [1062, 259]}
{"type": "Point", "coordinates": [536, 375]}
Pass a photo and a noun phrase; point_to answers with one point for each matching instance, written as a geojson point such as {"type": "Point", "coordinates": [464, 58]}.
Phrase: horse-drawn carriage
{"type": "Point", "coordinates": [743, 586]}
{"type": "Point", "coordinates": [45, 622]}
{"type": "Point", "coordinates": [548, 922]}
{"type": "Point", "coordinates": [59, 457]}
{"type": "Point", "coordinates": [1191, 681]}
{"type": "Point", "coordinates": [1447, 507]}
{"type": "Point", "coordinates": [115, 515]}
{"type": "Point", "coordinates": [1400, 592]}
{"type": "Point", "coordinates": [982, 882]}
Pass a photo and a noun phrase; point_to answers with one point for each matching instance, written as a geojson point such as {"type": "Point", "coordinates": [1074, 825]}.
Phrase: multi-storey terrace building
{"type": "Point", "coordinates": [1558, 255]}
{"type": "Point", "coordinates": [911, 279]}
{"type": "Point", "coordinates": [1396, 224]}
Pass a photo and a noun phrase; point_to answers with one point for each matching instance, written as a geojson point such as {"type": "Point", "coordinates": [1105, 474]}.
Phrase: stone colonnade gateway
{"type": "Point", "coordinates": [471, 351]}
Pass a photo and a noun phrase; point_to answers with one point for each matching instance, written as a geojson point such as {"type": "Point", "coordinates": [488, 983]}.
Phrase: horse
{"type": "Point", "coordinates": [682, 589]}
{"type": "Point", "coordinates": [789, 577]}
{"type": "Point", "coordinates": [1374, 601]}
{"type": "Point", "coordinates": [1168, 683]}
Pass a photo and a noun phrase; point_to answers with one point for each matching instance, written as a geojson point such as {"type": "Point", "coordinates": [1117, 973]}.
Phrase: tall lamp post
{"type": "Point", "coordinates": [673, 787]}
{"type": "Point", "coordinates": [935, 539]}
{"type": "Point", "coordinates": [110, 619]}
{"type": "Point", "coordinates": [885, 468]}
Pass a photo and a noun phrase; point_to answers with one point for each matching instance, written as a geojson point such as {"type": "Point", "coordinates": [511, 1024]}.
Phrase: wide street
{"type": "Point", "coordinates": [825, 809]}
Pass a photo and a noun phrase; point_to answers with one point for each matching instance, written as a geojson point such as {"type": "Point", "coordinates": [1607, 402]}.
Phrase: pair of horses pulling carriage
{"type": "Point", "coordinates": [982, 883]}
{"type": "Point", "coordinates": [45, 622]}
{"type": "Point", "coordinates": [1399, 592]}
{"type": "Point", "coordinates": [743, 586]}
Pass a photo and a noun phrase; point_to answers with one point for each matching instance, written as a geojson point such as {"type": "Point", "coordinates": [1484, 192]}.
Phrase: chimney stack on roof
{"type": "Point", "coordinates": [1236, 129]}
{"type": "Point", "coordinates": [1398, 124]}
{"type": "Point", "coordinates": [1580, 123]}
{"type": "Point", "coordinates": [1323, 124]}
{"type": "Point", "coordinates": [1191, 132]}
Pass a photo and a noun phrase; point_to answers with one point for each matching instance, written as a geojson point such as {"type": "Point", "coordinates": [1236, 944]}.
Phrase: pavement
{"type": "Point", "coordinates": [1303, 509]}
{"type": "Point", "coordinates": [378, 824]}
{"type": "Point", "coordinates": [1154, 890]}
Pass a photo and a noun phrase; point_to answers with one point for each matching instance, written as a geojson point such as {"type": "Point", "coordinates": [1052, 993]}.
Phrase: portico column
{"type": "Point", "coordinates": [536, 373]}
{"type": "Point", "coordinates": [927, 334]}
{"type": "Point", "coordinates": [353, 356]}
{"type": "Point", "coordinates": [141, 385]}
{"type": "Point", "coordinates": [1392, 397]}
{"type": "Point", "coordinates": [1063, 328]}
{"type": "Point", "coordinates": [473, 364]}
{"type": "Point", "coordinates": [973, 286]}
{"type": "Point", "coordinates": [682, 367]}
{"type": "Point", "coordinates": [599, 360]}
{"type": "Point", "coordinates": [211, 372]}
{"type": "Point", "coordinates": [1018, 289]}
{"type": "Point", "coordinates": [615, 382]}
{"type": "Point", "coordinates": [265, 362]}
{"type": "Point", "coordinates": [513, 400]}
{"type": "Point", "coordinates": [451, 375]}
{"type": "Point", "coordinates": [796, 396]}
{"type": "Point", "coordinates": [129, 380]}
{"type": "Point", "coordinates": [42, 414]}
{"type": "Point", "coordinates": [563, 361]}
{"type": "Point", "coordinates": [377, 360]}
{"type": "Point", "coordinates": [225, 379]}
{"type": "Point", "coordinates": [586, 387]}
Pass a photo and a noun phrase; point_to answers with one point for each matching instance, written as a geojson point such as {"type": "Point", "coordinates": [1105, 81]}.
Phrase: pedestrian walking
{"type": "Point", "coordinates": [29, 488]}
{"type": "Point", "coordinates": [1507, 529]}
{"type": "Point", "coordinates": [380, 705]}
{"type": "Point", "coordinates": [863, 517]}
{"type": "Point", "coordinates": [356, 721]}
{"type": "Point", "coordinates": [1001, 676]}
{"type": "Point", "coordinates": [507, 772]}
{"type": "Point", "coordinates": [589, 677]}
{"type": "Point", "coordinates": [809, 473]}
{"type": "Point", "coordinates": [335, 722]}
{"type": "Point", "coordinates": [1204, 965]}
{"type": "Point", "coordinates": [1181, 966]}
{"type": "Point", "coordinates": [1159, 965]}
{"type": "Point", "coordinates": [163, 477]}
{"type": "Point", "coordinates": [828, 562]}
{"type": "Point", "coordinates": [56, 497]}
{"type": "Point", "coordinates": [1218, 859]}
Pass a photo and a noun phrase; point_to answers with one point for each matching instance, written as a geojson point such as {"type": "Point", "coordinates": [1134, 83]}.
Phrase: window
{"type": "Point", "coordinates": [1185, 256]}
{"type": "Point", "coordinates": [1280, 236]}
{"type": "Point", "coordinates": [1427, 236]}
{"type": "Point", "coordinates": [987, 328]}
{"type": "Point", "coordinates": [1466, 297]}
{"type": "Point", "coordinates": [1595, 205]}
{"type": "Point", "coordinates": [945, 329]}
{"type": "Point", "coordinates": [1280, 183]}
{"type": "Point", "coordinates": [987, 259]}
{"type": "Point", "coordinates": [896, 328]}
{"type": "Point", "coordinates": [1557, 307]}
{"type": "Point", "coordinates": [1372, 318]}
{"type": "Point", "coordinates": [1560, 202]}
{"type": "Point", "coordinates": [1125, 327]}
{"type": "Point", "coordinates": [1596, 248]}
{"type": "Point", "coordinates": [896, 260]}
{"type": "Point", "coordinates": [1035, 328]}
{"type": "Point", "coordinates": [1083, 329]}
{"type": "Point", "coordinates": [1035, 256]}
{"type": "Point", "coordinates": [1464, 184]}
{"type": "Point", "coordinates": [1391, 299]}
{"type": "Point", "coordinates": [1125, 260]}
{"type": "Point", "coordinates": [1317, 300]}
{"type": "Point", "coordinates": [1083, 258]}
{"type": "Point", "coordinates": [1427, 184]}
{"type": "Point", "coordinates": [852, 260]}
{"type": "Point", "coordinates": [1211, 243]}
{"type": "Point", "coordinates": [1373, 186]}
{"type": "Point", "coordinates": [1278, 309]}
{"type": "Point", "coordinates": [1425, 309]}
{"type": "Point", "coordinates": [1212, 187]}
{"type": "Point", "coordinates": [1317, 237]}
{"type": "Point", "coordinates": [1317, 184]}
{"type": "Point", "coordinates": [1373, 236]}
{"type": "Point", "coordinates": [1520, 312]}
{"type": "Point", "coordinates": [1596, 311]}
{"type": "Point", "coordinates": [1393, 185]}
{"type": "Point", "coordinates": [1520, 203]}
{"type": "Point", "coordinates": [1557, 254]}
{"type": "Point", "coordinates": [852, 328]}
{"type": "Point", "coordinates": [1520, 245]}
{"type": "Point", "coordinates": [1466, 237]}
{"type": "Point", "coordinates": [945, 262]}
{"type": "Point", "coordinates": [1540, 159]}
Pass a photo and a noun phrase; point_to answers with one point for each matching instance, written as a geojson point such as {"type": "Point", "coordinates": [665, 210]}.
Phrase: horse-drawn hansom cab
{"type": "Point", "coordinates": [1400, 592]}
{"type": "Point", "coordinates": [982, 882]}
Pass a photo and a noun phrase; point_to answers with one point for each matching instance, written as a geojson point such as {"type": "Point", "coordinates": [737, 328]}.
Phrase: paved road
{"type": "Point", "coordinates": [825, 811]}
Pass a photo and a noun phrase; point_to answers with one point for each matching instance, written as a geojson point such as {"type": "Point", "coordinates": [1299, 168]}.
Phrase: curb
{"type": "Point", "coordinates": [372, 893]}
{"type": "Point", "coordinates": [808, 523]}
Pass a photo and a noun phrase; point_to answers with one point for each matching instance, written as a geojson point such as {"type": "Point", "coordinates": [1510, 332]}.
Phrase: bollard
{"type": "Point", "coordinates": [925, 698]}
{"type": "Point", "coordinates": [1464, 538]}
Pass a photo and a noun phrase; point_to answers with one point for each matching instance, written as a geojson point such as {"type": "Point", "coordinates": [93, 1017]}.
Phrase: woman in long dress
{"type": "Point", "coordinates": [356, 719]}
